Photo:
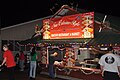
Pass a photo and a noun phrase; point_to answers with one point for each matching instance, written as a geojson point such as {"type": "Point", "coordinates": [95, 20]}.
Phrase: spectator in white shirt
{"type": "Point", "coordinates": [110, 65]}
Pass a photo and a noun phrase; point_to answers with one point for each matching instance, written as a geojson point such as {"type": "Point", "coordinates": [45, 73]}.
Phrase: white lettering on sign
{"type": "Point", "coordinates": [75, 33]}
{"type": "Point", "coordinates": [60, 23]}
{"type": "Point", "coordinates": [65, 34]}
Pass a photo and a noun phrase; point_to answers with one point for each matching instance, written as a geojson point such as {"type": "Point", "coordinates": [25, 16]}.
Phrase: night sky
{"type": "Point", "coordinates": [19, 11]}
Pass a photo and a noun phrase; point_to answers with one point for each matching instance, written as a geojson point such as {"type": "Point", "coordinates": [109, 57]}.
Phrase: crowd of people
{"type": "Point", "coordinates": [19, 62]}
{"type": "Point", "coordinates": [109, 63]}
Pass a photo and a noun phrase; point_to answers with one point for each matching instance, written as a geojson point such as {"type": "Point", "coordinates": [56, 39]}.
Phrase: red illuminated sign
{"type": "Point", "coordinates": [73, 26]}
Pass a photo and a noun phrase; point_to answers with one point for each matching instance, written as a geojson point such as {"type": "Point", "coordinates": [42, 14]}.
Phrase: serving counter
{"type": "Point", "coordinates": [82, 73]}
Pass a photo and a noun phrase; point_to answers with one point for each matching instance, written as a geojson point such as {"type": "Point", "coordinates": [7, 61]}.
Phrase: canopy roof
{"type": "Point", "coordinates": [108, 35]}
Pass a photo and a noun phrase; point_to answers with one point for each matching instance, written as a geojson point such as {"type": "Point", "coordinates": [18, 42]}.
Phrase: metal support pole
{"type": "Point", "coordinates": [0, 43]}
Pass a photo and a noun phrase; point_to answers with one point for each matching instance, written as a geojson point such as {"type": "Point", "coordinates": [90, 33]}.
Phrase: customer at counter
{"type": "Point", "coordinates": [51, 65]}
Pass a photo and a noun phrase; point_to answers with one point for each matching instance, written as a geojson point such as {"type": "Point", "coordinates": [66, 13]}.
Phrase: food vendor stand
{"type": "Point", "coordinates": [75, 38]}
{"type": "Point", "coordinates": [70, 27]}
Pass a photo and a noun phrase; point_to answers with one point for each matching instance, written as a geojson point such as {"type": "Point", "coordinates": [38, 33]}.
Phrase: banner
{"type": "Point", "coordinates": [73, 26]}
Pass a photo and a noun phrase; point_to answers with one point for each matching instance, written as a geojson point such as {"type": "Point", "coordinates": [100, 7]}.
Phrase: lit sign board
{"type": "Point", "coordinates": [73, 26]}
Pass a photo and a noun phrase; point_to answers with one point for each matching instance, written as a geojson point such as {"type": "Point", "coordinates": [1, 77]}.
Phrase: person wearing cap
{"type": "Point", "coordinates": [110, 65]}
{"type": "Point", "coordinates": [9, 62]}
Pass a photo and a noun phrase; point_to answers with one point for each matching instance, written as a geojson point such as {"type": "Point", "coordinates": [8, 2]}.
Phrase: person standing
{"type": "Point", "coordinates": [51, 65]}
{"type": "Point", "coordinates": [22, 61]}
{"type": "Point", "coordinates": [17, 60]}
{"type": "Point", "coordinates": [33, 64]}
{"type": "Point", "coordinates": [9, 62]}
{"type": "Point", "coordinates": [110, 65]}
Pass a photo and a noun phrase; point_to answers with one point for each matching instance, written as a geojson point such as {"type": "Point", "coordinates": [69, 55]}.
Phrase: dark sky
{"type": "Point", "coordinates": [19, 11]}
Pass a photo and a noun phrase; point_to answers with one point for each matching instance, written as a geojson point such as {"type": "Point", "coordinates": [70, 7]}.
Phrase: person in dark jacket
{"type": "Point", "coordinates": [51, 64]}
